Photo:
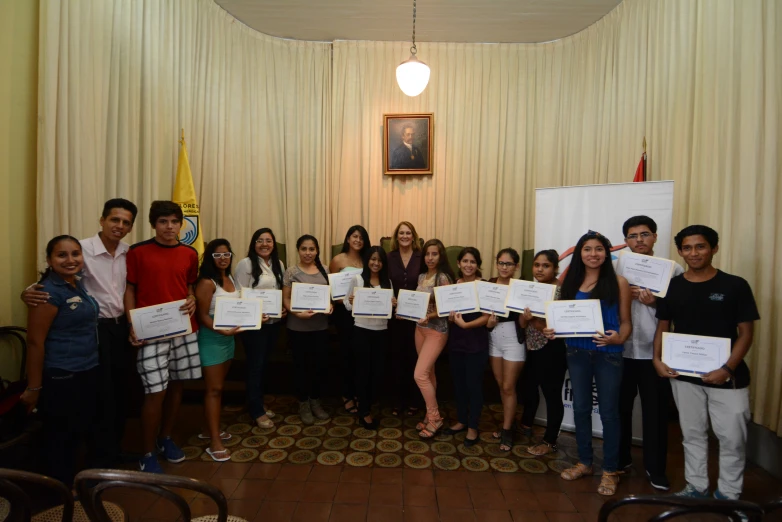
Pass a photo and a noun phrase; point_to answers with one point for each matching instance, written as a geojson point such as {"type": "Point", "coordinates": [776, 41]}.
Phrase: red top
{"type": "Point", "coordinates": [161, 273]}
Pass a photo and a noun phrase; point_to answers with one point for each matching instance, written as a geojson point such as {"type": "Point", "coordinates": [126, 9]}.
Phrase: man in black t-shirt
{"type": "Point", "coordinates": [706, 301]}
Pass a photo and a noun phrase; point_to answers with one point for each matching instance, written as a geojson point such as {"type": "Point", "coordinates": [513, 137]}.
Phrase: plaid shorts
{"type": "Point", "coordinates": [170, 359]}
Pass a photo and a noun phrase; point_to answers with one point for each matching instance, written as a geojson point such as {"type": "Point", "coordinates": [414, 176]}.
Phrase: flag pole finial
{"type": "Point", "coordinates": [183, 136]}
{"type": "Point", "coordinates": [644, 143]}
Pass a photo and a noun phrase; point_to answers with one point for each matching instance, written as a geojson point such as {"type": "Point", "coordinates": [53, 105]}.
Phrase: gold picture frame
{"type": "Point", "coordinates": [408, 141]}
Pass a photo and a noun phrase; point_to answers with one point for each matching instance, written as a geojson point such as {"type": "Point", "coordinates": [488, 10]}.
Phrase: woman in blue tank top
{"type": "Point", "coordinates": [591, 276]}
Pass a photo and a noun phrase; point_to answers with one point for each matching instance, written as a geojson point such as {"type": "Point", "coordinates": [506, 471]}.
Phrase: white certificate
{"type": "Point", "coordinates": [230, 312]}
{"type": "Point", "coordinates": [530, 294]}
{"type": "Point", "coordinates": [651, 273]}
{"type": "Point", "coordinates": [581, 318]}
{"type": "Point", "coordinates": [272, 300]}
{"type": "Point", "coordinates": [694, 355]}
{"type": "Point", "coordinates": [491, 298]}
{"type": "Point", "coordinates": [412, 305]}
{"type": "Point", "coordinates": [340, 284]}
{"type": "Point", "coordinates": [461, 298]}
{"type": "Point", "coordinates": [372, 302]}
{"type": "Point", "coordinates": [161, 321]}
{"type": "Point", "coordinates": [306, 297]}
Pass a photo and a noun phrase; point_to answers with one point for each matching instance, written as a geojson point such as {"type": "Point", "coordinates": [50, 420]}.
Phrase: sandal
{"type": "Point", "coordinates": [576, 472]}
{"type": "Point", "coordinates": [608, 483]}
{"type": "Point", "coordinates": [268, 423]}
{"type": "Point", "coordinates": [542, 448]}
{"type": "Point", "coordinates": [421, 425]}
{"type": "Point", "coordinates": [451, 431]}
{"type": "Point", "coordinates": [395, 412]}
{"type": "Point", "coordinates": [430, 430]}
{"type": "Point", "coordinates": [353, 409]}
{"type": "Point", "coordinates": [219, 456]}
{"type": "Point", "coordinates": [506, 439]}
{"type": "Point", "coordinates": [223, 436]}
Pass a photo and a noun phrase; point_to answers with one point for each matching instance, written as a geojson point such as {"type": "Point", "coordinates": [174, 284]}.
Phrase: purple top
{"type": "Point", "coordinates": [404, 277]}
{"type": "Point", "coordinates": [472, 340]}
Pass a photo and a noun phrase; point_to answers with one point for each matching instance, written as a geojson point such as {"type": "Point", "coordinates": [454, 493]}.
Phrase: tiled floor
{"type": "Point", "coordinates": [261, 492]}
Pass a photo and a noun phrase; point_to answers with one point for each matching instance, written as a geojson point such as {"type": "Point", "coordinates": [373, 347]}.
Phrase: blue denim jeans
{"type": "Point", "coordinates": [606, 369]}
{"type": "Point", "coordinates": [257, 346]}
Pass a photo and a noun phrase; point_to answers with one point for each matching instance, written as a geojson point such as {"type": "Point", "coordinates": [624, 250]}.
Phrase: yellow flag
{"type": "Point", "coordinates": [185, 197]}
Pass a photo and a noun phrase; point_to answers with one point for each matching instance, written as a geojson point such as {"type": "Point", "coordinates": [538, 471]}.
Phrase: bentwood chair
{"type": "Point", "coordinates": [92, 483]}
{"type": "Point", "coordinates": [675, 507]}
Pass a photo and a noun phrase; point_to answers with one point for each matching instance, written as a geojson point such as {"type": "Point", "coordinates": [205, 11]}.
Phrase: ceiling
{"type": "Point", "coordinates": [437, 20]}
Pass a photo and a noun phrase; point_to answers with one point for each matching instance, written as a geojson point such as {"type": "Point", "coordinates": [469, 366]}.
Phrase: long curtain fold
{"type": "Point", "coordinates": [288, 134]}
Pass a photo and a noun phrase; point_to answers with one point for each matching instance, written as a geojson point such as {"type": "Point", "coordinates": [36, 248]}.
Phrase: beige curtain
{"type": "Point", "coordinates": [282, 134]}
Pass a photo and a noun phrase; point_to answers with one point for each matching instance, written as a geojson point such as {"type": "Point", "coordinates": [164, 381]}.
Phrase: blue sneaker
{"type": "Point", "coordinates": [691, 492]}
{"type": "Point", "coordinates": [150, 464]}
{"type": "Point", "coordinates": [720, 496]}
{"type": "Point", "coordinates": [170, 451]}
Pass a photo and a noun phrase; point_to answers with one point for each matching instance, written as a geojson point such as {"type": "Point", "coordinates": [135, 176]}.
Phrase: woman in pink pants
{"type": "Point", "coordinates": [431, 334]}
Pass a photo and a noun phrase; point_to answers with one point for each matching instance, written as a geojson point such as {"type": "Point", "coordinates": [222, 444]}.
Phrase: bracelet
{"type": "Point", "coordinates": [727, 369]}
{"type": "Point", "coordinates": [39, 388]}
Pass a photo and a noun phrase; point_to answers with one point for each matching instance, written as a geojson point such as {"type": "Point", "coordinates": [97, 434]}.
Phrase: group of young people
{"type": "Point", "coordinates": [79, 331]}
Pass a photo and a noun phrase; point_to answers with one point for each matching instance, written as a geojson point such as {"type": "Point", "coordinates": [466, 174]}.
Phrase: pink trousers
{"type": "Point", "coordinates": [428, 343]}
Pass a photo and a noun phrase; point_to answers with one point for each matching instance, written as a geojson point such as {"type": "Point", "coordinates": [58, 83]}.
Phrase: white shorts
{"type": "Point", "coordinates": [174, 359]}
{"type": "Point", "coordinates": [504, 343]}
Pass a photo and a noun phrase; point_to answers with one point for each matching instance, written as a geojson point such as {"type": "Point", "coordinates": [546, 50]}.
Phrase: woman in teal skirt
{"type": "Point", "coordinates": [216, 347]}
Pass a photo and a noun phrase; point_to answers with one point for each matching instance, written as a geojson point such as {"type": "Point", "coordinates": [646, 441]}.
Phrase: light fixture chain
{"type": "Point", "coordinates": [413, 49]}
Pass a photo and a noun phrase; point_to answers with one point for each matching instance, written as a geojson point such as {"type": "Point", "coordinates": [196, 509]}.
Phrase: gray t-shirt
{"type": "Point", "coordinates": [318, 322]}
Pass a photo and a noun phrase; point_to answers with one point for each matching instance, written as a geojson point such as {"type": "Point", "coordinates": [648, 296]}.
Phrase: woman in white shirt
{"type": "Point", "coordinates": [370, 335]}
{"type": "Point", "coordinates": [261, 269]}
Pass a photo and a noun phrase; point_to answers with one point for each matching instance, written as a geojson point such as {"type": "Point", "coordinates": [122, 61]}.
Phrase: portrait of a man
{"type": "Point", "coordinates": [407, 147]}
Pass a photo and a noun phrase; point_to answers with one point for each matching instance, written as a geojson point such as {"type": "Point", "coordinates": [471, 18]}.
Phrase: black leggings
{"type": "Point", "coordinates": [369, 349]}
{"type": "Point", "coordinates": [467, 370]}
{"type": "Point", "coordinates": [343, 320]}
{"type": "Point", "coordinates": [310, 360]}
{"type": "Point", "coordinates": [545, 368]}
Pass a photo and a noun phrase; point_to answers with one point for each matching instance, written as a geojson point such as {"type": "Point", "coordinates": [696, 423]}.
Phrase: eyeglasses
{"type": "Point", "coordinates": [224, 255]}
{"type": "Point", "coordinates": [264, 241]}
{"type": "Point", "coordinates": [505, 264]}
{"type": "Point", "coordinates": [642, 235]}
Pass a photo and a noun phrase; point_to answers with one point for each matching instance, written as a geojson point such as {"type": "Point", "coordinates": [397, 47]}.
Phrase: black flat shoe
{"type": "Point", "coordinates": [451, 431]}
{"type": "Point", "coordinates": [367, 425]}
{"type": "Point", "coordinates": [470, 442]}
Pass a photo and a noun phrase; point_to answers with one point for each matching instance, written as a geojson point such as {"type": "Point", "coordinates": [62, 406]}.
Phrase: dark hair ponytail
{"type": "Point", "coordinates": [50, 249]}
{"type": "Point", "coordinates": [308, 237]}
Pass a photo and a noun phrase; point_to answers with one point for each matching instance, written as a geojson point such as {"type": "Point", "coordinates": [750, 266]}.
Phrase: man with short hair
{"type": "Point", "coordinates": [162, 270]}
{"type": "Point", "coordinates": [104, 279]}
{"type": "Point", "coordinates": [706, 301]}
{"type": "Point", "coordinates": [639, 375]}
{"type": "Point", "coordinates": [407, 155]}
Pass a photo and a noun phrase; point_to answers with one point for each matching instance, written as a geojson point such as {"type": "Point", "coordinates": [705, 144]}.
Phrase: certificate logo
{"type": "Point", "coordinates": [158, 310]}
{"type": "Point", "coordinates": [189, 232]}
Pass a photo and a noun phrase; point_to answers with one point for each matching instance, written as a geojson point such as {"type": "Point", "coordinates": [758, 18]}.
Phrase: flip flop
{"type": "Point", "coordinates": [219, 456]}
{"type": "Point", "coordinates": [223, 436]}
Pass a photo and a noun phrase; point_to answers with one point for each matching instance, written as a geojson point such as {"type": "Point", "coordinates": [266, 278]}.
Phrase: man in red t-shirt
{"type": "Point", "coordinates": [162, 270]}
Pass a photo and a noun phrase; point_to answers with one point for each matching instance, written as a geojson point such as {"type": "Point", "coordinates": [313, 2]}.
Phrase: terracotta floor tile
{"type": "Point", "coordinates": [162, 509]}
{"type": "Point", "coordinates": [493, 515]}
{"type": "Point", "coordinates": [385, 494]}
{"type": "Point", "coordinates": [352, 493]}
{"type": "Point", "coordinates": [582, 485]}
{"type": "Point", "coordinates": [546, 483]}
{"type": "Point", "coordinates": [273, 511]}
{"type": "Point", "coordinates": [202, 506]}
{"type": "Point", "coordinates": [519, 500]}
{"type": "Point", "coordinates": [285, 491]}
{"type": "Point", "coordinates": [528, 516]}
{"type": "Point", "coordinates": [386, 476]}
{"type": "Point", "coordinates": [325, 474]}
{"type": "Point", "coordinates": [421, 514]}
{"type": "Point", "coordinates": [135, 503]}
{"type": "Point", "coordinates": [451, 479]}
{"type": "Point", "coordinates": [481, 480]}
{"type": "Point", "coordinates": [512, 481]}
{"type": "Point", "coordinates": [234, 470]}
{"type": "Point", "coordinates": [312, 512]}
{"type": "Point", "coordinates": [453, 498]}
{"type": "Point", "coordinates": [200, 470]}
{"type": "Point", "coordinates": [252, 488]}
{"type": "Point", "coordinates": [419, 495]}
{"type": "Point", "coordinates": [261, 470]}
{"type": "Point", "coordinates": [294, 472]}
{"type": "Point", "coordinates": [319, 492]}
{"type": "Point", "coordinates": [418, 477]}
{"type": "Point", "coordinates": [348, 513]}
{"type": "Point", "coordinates": [550, 501]}
{"type": "Point", "coordinates": [558, 516]}
{"type": "Point", "coordinates": [226, 485]}
{"type": "Point", "coordinates": [488, 499]}
{"type": "Point", "coordinates": [360, 475]}
{"type": "Point", "coordinates": [587, 502]}
{"type": "Point", "coordinates": [385, 514]}
{"type": "Point", "coordinates": [245, 508]}
{"type": "Point", "coordinates": [457, 515]}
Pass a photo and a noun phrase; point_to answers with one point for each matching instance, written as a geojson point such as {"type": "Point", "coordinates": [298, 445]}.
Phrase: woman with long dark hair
{"type": "Point", "coordinates": [370, 335]}
{"type": "Point", "coordinates": [546, 365]}
{"type": "Point", "coordinates": [308, 331]}
{"type": "Point", "coordinates": [262, 269]}
{"type": "Point", "coordinates": [215, 347]}
{"type": "Point", "coordinates": [431, 334]}
{"type": "Point", "coordinates": [591, 276]}
{"type": "Point", "coordinates": [62, 360]}
{"type": "Point", "coordinates": [350, 259]}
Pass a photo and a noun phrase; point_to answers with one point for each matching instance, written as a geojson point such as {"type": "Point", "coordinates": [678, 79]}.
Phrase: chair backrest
{"type": "Point", "coordinates": [17, 333]}
{"type": "Point", "coordinates": [14, 486]}
{"type": "Point", "coordinates": [681, 506]}
{"type": "Point", "coordinates": [335, 249]}
{"type": "Point", "coordinates": [282, 252]}
{"type": "Point", "coordinates": [451, 252]}
{"type": "Point", "coordinates": [386, 242]}
{"type": "Point", "coordinates": [92, 483]}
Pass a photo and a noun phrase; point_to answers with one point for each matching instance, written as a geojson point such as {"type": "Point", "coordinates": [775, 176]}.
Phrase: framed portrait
{"type": "Point", "coordinates": [407, 143]}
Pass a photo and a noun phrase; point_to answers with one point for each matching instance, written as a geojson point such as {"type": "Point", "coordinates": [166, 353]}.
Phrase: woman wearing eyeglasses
{"type": "Point", "coordinates": [216, 347]}
{"type": "Point", "coordinates": [262, 269]}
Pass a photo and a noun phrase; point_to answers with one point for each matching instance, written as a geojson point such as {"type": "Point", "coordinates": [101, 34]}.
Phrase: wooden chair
{"type": "Point", "coordinates": [386, 242]}
{"type": "Point", "coordinates": [451, 252]}
{"type": "Point", "coordinates": [732, 509]}
{"type": "Point", "coordinates": [92, 483]}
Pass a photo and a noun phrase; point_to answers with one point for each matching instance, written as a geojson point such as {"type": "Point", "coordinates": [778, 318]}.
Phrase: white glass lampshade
{"type": "Point", "coordinates": [412, 76]}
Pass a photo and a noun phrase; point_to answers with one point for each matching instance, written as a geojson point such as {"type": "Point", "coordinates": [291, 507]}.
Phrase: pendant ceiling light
{"type": "Point", "coordinates": [412, 75]}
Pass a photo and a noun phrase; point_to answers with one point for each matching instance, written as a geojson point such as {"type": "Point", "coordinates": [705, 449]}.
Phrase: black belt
{"type": "Point", "coordinates": [113, 320]}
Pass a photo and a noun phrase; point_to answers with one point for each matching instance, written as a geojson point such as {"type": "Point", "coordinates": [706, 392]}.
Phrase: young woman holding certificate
{"type": "Point", "coordinates": [506, 349]}
{"type": "Point", "coordinates": [591, 276]}
{"type": "Point", "coordinates": [370, 338]}
{"type": "Point", "coordinates": [468, 352]}
{"type": "Point", "coordinates": [546, 364]}
{"type": "Point", "coordinates": [215, 347]}
{"type": "Point", "coordinates": [262, 269]}
{"type": "Point", "coordinates": [431, 334]}
{"type": "Point", "coordinates": [354, 249]}
{"type": "Point", "coordinates": [308, 331]}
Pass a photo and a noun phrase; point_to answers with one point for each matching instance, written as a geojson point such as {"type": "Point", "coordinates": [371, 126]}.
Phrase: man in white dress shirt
{"type": "Point", "coordinates": [104, 277]}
